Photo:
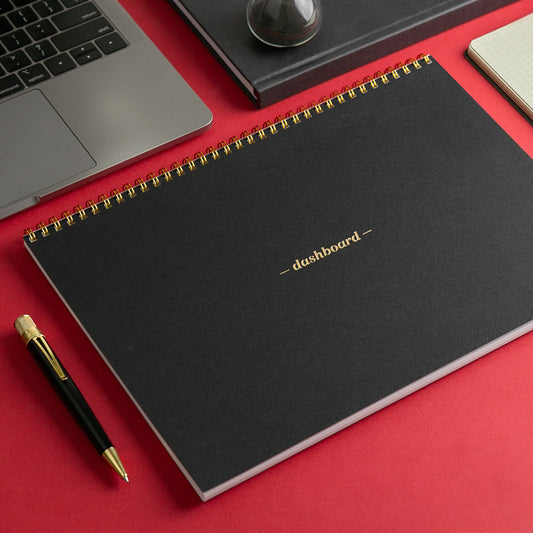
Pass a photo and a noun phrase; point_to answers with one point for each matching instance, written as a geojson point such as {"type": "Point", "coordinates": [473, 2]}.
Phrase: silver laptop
{"type": "Point", "coordinates": [82, 91]}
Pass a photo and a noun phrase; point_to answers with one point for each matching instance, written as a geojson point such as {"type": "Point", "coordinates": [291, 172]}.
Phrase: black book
{"type": "Point", "coordinates": [268, 294]}
{"type": "Point", "coordinates": [352, 34]}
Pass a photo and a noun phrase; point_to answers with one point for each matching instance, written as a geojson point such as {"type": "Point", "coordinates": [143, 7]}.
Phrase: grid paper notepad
{"type": "Point", "coordinates": [506, 57]}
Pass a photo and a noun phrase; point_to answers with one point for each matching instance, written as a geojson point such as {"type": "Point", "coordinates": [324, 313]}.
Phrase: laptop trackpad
{"type": "Point", "coordinates": [36, 154]}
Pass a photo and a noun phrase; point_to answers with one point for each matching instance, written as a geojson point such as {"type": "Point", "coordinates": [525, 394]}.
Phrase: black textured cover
{"type": "Point", "coordinates": [233, 361]}
{"type": "Point", "coordinates": [353, 33]}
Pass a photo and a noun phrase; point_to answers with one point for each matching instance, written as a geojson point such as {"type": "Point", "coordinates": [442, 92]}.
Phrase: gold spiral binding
{"type": "Point", "coordinates": [294, 117]}
{"type": "Point", "coordinates": [328, 101]}
{"type": "Point", "coordinates": [260, 132]}
{"type": "Point", "coordinates": [31, 235]}
{"type": "Point", "coordinates": [165, 173]}
{"type": "Point", "coordinates": [271, 127]}
{"type": "Point", "coordinates": [283, 121]}
{"type": "Point", "coordinates": [139, 182]}
{"type": "Point", "coordinates": [81, 212]}
{"type": "Point", "coordinates": [392, 71]}
{"type": "Point", "coordinates": [202, 159]}
{"type": "Point", "coordinates": [55, 222]}
{"type": "Point", "coordinates": [236, 141]}
{"type": "Point", "coordinates": [189, 162]}
{"type": "Point", "coordinates": [200, 156]}
{"type": "Point", "coordinates": [213, 152]}
{"type": "Point", "coordinates": [115, 193]}
{"type": "Point", "coordinates": [43, 228]}
{"type": "Point", "coordinates": [336, 95]}
{"type": "Point", "coordinates": [178, 168]}
{"type": "Point", "coordinates": [155, 179]}
{"type": "Point", "coordinates": [129, 189]}
{"type": "Point", "coordinates": [105, 200]}
{"type": "Point", "coordinates": [65, 215]}
{"type": "Point", "coordinates": [93, 207]}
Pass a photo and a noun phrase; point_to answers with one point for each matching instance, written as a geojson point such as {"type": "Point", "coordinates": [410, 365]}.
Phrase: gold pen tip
{"type": "Point", "coordinates": [111, 456]}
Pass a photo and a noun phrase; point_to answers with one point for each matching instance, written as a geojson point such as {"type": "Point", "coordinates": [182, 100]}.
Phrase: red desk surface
{"type": "Point", "coordinates": [456, 456]}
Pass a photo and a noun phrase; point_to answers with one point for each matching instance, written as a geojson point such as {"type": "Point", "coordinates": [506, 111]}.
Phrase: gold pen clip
{"type": "Point", "coordinates": [30, 332]}
{"type": "Point", "coordinates": [50, 356]}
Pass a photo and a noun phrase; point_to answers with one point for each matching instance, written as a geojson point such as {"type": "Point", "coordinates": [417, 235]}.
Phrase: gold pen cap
{"type": "Point", "coordinates": [26, 328]}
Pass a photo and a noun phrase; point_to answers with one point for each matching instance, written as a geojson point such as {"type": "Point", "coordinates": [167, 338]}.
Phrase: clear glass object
{"type": "Point", "coordinates": [284, 23]}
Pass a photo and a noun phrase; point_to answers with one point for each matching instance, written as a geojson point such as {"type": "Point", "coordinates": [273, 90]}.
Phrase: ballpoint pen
{"type": "Point", "coordinates": [68, 391]}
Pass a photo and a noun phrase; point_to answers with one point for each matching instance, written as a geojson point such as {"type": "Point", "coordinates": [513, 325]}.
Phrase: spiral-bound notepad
{"type": "Point", "coordinates": [505, 55]}
{"type": "Point", "coordinates": [270, 292]}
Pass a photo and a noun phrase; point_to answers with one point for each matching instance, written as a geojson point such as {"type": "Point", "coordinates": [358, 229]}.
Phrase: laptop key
{"type": "Point", "coordinates": [34, 74]}
{"type": "Point", "coordinates": [78, 15]}
{"type": "Point", "coordinates": [23, 16]}
{"type": "Point", "coordinates": [48, 7]}
{"type": "Point", "coordinates": [21, 3]}
{"type": "Point", "coordinates": [81, 34]}
{"type": "Point", "coordinates": [15, 61]}
{"type": "Point", "coordinates": [10, 85]}
{"type": "Point", "coordinates": [110, 43]}
{"type": "Point", "coordinates": [5, 6]}
{"type": "Point", "coordinates": [85, 53]}
{"type": "Point", "coordinates": [41, 29]}
{"type": "Point", "coordinates": [41, 50]}
{"type": "Point", "coordinates": [59, 64]}
{"type": "Point", "coordinates": [15, 40]}
{"type": "Point", "coordinates": [5, 25]}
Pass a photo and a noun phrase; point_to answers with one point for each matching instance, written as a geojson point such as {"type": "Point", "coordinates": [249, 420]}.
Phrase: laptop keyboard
{"type": "Point", "coordinates": [44, 38]}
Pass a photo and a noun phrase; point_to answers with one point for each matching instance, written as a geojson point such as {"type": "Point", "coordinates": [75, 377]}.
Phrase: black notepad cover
{"type": "Point", "coordinates": [214, 298]}
{"type": "Point", "coordinates": [353, 33]}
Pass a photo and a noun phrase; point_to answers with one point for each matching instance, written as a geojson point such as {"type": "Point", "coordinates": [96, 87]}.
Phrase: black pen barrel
{"type": "Point", "coordinates": [73, 399]}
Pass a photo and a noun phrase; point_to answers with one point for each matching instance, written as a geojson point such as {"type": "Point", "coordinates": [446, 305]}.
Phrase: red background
{"type": "Point", "coordinates": [456, 456]}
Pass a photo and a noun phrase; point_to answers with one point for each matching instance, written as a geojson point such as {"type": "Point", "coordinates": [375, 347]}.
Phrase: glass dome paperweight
{"type": "Point", "coordinates": [283, 23]}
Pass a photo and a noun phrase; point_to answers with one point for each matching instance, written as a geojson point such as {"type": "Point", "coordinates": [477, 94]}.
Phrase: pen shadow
{"type": "Point", "coordinates": [179, 490]}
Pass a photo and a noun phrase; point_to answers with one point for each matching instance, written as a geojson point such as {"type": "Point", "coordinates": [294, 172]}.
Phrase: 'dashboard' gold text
{"type": "Point", "coordinates": [326, 251]}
